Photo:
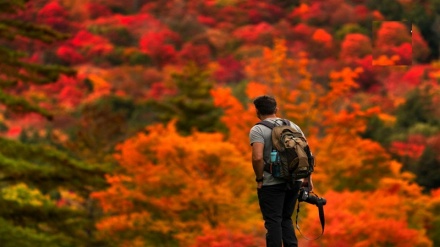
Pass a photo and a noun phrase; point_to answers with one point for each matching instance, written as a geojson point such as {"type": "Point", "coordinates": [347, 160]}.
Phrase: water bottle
{"type": "Point", "coordinates": [273, 156]}
{"type": "Point", "coordinates": [275, 164]}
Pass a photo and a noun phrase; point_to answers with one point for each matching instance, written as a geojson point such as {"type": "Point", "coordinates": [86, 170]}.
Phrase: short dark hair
{"type": "Point", "coordinates": [265, 104]}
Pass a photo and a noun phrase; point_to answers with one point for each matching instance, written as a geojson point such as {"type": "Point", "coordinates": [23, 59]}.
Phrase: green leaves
{"type": "Point", "coordinates": [192, 106]}
{"type": "Point", "coordinates": [46, 168]}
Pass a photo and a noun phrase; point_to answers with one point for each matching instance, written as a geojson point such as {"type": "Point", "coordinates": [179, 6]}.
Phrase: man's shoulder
{"type": "Point", "coordinates": [256, 127]}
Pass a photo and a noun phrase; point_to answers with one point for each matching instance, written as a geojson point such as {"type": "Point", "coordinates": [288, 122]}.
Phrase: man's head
{"type": "Point", "coordinates": [265, 105]}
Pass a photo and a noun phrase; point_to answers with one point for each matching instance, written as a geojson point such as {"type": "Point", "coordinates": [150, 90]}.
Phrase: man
{"type": "Point", "coordinates": [276, 197]}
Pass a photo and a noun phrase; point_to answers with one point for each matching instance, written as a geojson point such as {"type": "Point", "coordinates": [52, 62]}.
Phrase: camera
{"type": "Point", "coordinates": [305, 196]}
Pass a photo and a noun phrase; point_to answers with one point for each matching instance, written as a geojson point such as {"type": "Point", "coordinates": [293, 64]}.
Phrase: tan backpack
{"type": "Point", "coordinates": [293, 158]}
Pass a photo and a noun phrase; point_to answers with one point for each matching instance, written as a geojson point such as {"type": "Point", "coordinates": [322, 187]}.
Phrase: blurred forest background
{"type": "Point", "coordinates": [125, 123]}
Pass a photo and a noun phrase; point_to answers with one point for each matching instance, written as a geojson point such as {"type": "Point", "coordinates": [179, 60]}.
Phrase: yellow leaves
{"type": "Point", "coordinates": [100, 87]}
{"type": "Point", "coordinates": [387, 119]}
{"type": "Point", "coordinates": [24, 195]}
{"type": "Point", "coordinates": [98, 82]}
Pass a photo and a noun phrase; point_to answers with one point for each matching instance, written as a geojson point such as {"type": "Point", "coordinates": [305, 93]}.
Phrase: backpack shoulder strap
{"type": "Point", "coordinates": [286, 122]}
{"type": "Point", "coordinates": [271, 125]}
{"type": "Point", "coordinates": [267, 124]}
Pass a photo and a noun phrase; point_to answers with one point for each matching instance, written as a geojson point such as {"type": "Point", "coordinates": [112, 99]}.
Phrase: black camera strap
{"type": "Point", "coordinates": [321, 219]}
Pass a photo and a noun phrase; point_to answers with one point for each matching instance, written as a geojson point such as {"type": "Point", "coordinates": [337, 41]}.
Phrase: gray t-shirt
{"type": "Point", "coordinates": [263, 134]}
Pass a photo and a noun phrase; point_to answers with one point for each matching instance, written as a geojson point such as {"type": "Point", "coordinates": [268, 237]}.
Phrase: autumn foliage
{"type": "Point", "coordinates": [173, 141]}
{"type": "Point", "coordinates": [176, 187]}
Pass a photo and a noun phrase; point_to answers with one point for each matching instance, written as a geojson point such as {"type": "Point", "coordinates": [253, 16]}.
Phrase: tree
{"type": "Point", "coordinates": [428, 170]}
{"type": "Point", "coordinates": [172, 188]}
{"type": "Point", "coordinates": [44, 172]}
{"type": "Point", "coordinates": [34, 176]}
{"type": "Point", "coordinates": [418, 108]}
{"type": "Point", "coordinates": [16, 68]}
{"type": "Point", "coordinates": [349, 167]}
{"type": "Point", "coordinates": [370, 218]}
{"type": "Point", "coordinates": [192, 105]}
{"type": "Point", "coordinates": [100, 125]}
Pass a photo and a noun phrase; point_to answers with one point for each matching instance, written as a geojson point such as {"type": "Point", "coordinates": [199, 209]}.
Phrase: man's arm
{"type": "Point", "coordinates": [257, 160]}
{"type": "Point", "coordinates": [307, 182]}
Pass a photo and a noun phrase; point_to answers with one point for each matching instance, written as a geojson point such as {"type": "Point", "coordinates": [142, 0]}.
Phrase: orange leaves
{"type": "Point", "coordinates": [186, 184]}
{"type": "Point", "coordinates": [323, 37]}
{"type": "Point", "coordinates": [332, 120]}
{"type": "Point", "coordinates": [343, 111]}
{"type": "Point", "coordinates": [238, 119]}
{"type": "Point", "coordinates": [384, 60]}
{"type": "Point", "coordinates": [224, 238]}
{"type": "Point", "coordinates": [342, 81]}
{"type": "Point", "coordinates": [273, 68]}
{"type": "Point", "coordinates": [255, 89]}
{"type": "Point", "coordinates": [285, 78]}
{"type": "Point", "coordinates": [366, 219]}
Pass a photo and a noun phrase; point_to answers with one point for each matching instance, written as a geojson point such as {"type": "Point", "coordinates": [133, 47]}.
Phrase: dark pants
{"type": "Point", "coordinates": [277, 203]}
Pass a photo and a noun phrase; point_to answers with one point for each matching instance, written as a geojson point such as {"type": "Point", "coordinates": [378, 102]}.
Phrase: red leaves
{"type": "Point", "coordinates": [262, 33]}
{"type": "Point", "coordinates": [412, 148]}
{"type": "Point", "coordinates": [84, 46]}
{"type": "Point", "coordinates": [54, 15]}
{"type": "Point", "coordinates": [355, 45]}
{"type": "Point", "coordinates": [70, 55]}
{"type": "Point", "coordinates": [200, 54]}
{"type": "Point", "coordinates": [303, 31]}
{"type": "Point", "coordinates": [14, 132]}
{"type": "Point", "coordinates": [230, 70]}
{"type": "Point", "coordinates": [392, 33]}
{"type": "Point", "coordinates": [69, 91]}
{"type": "Point", "coordinates": [404, 51]}
{"type": "Point", "coordinates": [158, 91]}
{"type": "Point", "coordinates": [393, 44]}
{"type": "Point", "coordinates": [159, 45]}
{"type": "Point", "coordinates": [206, 20]}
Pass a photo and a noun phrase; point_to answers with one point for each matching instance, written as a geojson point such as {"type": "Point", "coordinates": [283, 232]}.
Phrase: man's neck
{"type": "Point", "coordinates": [268, 116]}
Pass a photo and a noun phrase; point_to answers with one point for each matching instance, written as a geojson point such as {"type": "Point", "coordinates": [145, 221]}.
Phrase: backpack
{"type": "Point", "coordinates": [291, 157]}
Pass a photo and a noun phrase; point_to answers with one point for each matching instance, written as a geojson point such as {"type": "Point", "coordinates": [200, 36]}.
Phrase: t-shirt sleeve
{"type": "Point", "coordinates": [256, 135]}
